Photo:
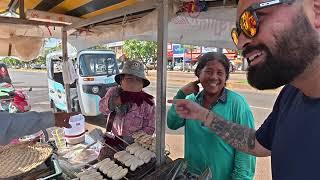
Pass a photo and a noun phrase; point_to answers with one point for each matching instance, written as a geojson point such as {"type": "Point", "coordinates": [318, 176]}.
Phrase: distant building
{"type": "Point", "coordinates": [178, 53]}
{"type": "Point", "coordinates": [117, 48]}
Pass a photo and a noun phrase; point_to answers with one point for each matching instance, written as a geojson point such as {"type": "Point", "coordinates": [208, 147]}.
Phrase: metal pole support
{"type": "Point", "coordinates": [65, 60]}
{"type": "Point", "coordinates": [162, 36]}
{"type": "Point", "coordinates": [21, 9]}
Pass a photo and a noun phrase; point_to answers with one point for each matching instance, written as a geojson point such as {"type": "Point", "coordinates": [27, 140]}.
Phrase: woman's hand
{"type": "Point", "coordinates": [189, 110]}
{"type": "Point", "coordinates": [191, 87]}
{"type": "Point", "coordinates": [117, 100]}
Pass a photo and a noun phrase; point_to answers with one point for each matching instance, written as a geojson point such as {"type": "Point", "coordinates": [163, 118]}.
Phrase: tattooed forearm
{"type": "Point", "coordinates": [238, 136]}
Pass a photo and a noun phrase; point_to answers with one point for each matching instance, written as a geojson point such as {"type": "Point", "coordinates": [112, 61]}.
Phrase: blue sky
{"type": "Point", "coordinates": [52, 42]}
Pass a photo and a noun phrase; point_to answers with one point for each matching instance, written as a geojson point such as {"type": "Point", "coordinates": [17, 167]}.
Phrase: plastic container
{"type": "Point", "coordinates": [75, 134]}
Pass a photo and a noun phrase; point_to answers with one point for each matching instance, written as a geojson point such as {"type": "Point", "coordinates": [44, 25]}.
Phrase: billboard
{"type": "Point", "coordinates": [178, 50]}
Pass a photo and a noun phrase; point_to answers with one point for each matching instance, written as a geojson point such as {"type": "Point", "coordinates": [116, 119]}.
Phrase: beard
{"type": "Point", "coordinates": [295, 49]}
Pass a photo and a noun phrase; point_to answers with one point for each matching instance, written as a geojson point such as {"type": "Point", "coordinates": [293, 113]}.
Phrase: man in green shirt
{"type": "Point", "coordinates": [203, 148]}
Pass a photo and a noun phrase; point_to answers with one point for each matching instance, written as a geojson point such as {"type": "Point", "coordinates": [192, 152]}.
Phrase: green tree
{"type": "Point", "coordinates": [189, 48]}
{"type": "Point", "coordinates": [11, 61]}
{"type": "Point", "coordinates": [51, 49]}
{"type": "Point", "coordinates": [143, 51]}
{"type": "Point", "coordinates": [39, 60]}
{"type": "Point", "coordinates": [99, 47]}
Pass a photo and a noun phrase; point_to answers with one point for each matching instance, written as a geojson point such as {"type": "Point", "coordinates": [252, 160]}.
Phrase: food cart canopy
{"type": "Point", "coordinates": [26, 40]}
{"type": "Point", "coordinates": [210, 28]}
{"type": "Point", "coordinates": [75, 8]}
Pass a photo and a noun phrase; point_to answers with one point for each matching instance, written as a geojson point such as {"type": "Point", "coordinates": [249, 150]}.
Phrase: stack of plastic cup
{"type": "Point", "coordinates": [58, 135]}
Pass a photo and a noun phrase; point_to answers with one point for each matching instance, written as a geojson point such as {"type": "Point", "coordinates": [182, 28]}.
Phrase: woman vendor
{"type": "Point", "coordinates": [203, 148]}
{"type": "Point", "coordinates": [130, 109]}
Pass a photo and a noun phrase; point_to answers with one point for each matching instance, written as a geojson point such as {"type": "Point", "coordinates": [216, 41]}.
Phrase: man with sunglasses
{"type": "Point", "coordinates": [280, 40]}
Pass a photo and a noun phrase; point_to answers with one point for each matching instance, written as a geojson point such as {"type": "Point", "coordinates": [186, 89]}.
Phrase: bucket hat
{"type": "Point", "coordinates": [135, 68]}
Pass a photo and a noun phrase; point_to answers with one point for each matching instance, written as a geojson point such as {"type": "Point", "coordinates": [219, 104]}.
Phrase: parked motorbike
{"type": "Point", "coordinates": [13, 100]}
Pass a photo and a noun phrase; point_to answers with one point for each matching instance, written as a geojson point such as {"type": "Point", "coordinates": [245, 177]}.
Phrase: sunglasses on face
{"type": "Point", "coordinates": [249, 21]}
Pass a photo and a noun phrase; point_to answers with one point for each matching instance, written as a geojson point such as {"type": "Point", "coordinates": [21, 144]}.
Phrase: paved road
{"type": "Point", "coordinates": [38, 82]}
{"type": "Point", "coordinates": [260, 102]}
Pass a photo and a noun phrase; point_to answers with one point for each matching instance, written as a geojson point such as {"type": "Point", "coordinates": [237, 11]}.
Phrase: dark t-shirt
{"type": "Point", "coordinates": [292, 133]}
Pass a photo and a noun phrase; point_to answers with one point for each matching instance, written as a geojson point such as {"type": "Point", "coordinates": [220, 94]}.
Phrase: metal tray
{"type": "Point", "coordinates": [141, 171]}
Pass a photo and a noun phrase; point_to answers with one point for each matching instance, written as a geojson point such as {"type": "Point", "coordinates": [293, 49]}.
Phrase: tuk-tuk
{"type": "Point", "coordinates": [95, 70]}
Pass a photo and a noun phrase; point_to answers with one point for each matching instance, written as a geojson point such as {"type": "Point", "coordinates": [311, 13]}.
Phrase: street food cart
{"type": "Point", "coordinates": [88, 23]}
